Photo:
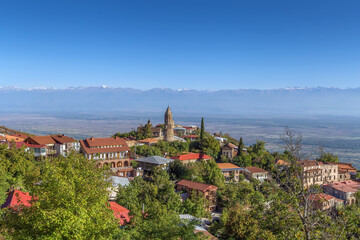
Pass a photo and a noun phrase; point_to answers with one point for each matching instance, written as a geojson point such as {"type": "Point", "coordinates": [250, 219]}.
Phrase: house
{"type": "Point", "coordinates": [229, 150]}
{"type": "Point", "coordinates": [190, 129]}
{"type": "Point", "coordinates": [191, 137]}
{"type": "Point", "coordinates": [257, 173]}
{"type": "Point", "coordinates": [179, 131]}
{"type": "Point", "coordinates": [17, 199]}
{"type": "Point", "coordinates": [314, 172]}
{"type": "Point", "coordinates": [55, 144]}
{"type": "Point", "coordinates": [64, 144]}
{"type": "Point", "coordinates": [113, 152]}
{"type": "Point", "coordinates": [148, 164]}
{"type": "Point", "coordinates": [344, 190]}
{"type": "Point", "coordinates": [38, 150]}
{"type": "Point", "coordinates": [282, 165]}
{"type": "Point", "coordinates": [120, 213]}
{"type": "Point", "coordinates": [220, 139]}
{"type": "Point", "coordinates": [230, 171]}
{"type": "Point", "coordinates": [322, 201]}
{"type": "Point", "coordinates": [206, 190]}
{"type": "Point", "coordinates": [345, 171]}
{"type": "Point", "coordinates": [192, 157]}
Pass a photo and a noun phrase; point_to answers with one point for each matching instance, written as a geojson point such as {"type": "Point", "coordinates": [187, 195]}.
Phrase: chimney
{"type": "Point", "coordinates": [92, 138]}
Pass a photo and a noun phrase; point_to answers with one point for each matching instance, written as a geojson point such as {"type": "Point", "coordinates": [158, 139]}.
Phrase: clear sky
{"type": "Point", "coordinates": [198, 44]}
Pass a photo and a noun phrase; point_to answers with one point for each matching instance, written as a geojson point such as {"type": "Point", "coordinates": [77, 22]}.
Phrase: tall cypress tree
{"type": "Point", "coordinates": [202, 130]}
{"type": "Point", "coordinates": [240, 147]}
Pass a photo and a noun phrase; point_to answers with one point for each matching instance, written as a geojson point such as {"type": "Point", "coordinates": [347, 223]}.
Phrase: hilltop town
{"type": "Point", "coordinates": [184, 179]}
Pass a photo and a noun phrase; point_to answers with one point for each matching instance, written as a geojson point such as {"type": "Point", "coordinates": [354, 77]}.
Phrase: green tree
{"type": "Point", "coordinates": [328, 157]}
{"type": "Point", "coordinates": [202, 130]}
{"type": "Point", "coordinates": [71, 203]}
{"type": "Point", "coordinates": [211, 146]}
{"type": "Point", "coordinates": [241, 146]}
{"type": "Point", "coordinates": [178, 170]}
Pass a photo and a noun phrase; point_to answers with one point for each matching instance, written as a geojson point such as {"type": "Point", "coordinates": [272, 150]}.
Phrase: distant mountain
{"type": "Point", "coordinates": [103, 99]}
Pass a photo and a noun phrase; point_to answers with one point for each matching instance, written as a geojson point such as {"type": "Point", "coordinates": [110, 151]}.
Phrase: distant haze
{"type": "Point", "coordinates": [103, 100]}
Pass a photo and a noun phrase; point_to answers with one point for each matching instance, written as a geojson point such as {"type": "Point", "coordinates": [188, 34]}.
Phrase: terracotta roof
{"type": "Point", "coordinates": [227, 165]}
{"type": "Point", "coordinates": [96, 143]}
{"type": "Point", "coordinates": [191, 136]}
{"type": "Point", "coordinates": [20, 135]}
{"type": "Point", "coordinates": [255, 169]}
{"type": "Point", "coordinates": [10, 138]}
{"type": "Point", "coordinates": [196, 185]}
{"type": "Point", "coordinates": [320, 197]}
{"type": "Point", "coordinates": [309, 163]}
{"type": "Point", "coordinates": [192, 156]}
{"type": "Point", "coordinates": [345, 167]}
{"type": "Point", "coordinates": [42, 140]}
{"type": "Point", "coordinates": [282, 162]}
{"type": "Point", "coordinates": [230, 145]}
{"type": "Point", "coordinates": [120, 213]}
{"type": "Point", "coordinates": [2, 138]}
{"type": "Point", "coordinates": [149, 140]}
{"type": "Point", "coordinates": [62, 139]}
{"type": "Point", "coordinates": [17, 198]}
{"type": "Point", "coordinates": [345, 186]}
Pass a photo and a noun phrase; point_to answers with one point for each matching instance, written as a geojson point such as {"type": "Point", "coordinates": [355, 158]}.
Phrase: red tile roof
{"type": "Point", "coordinates": [96, 143]}
{"type": "Point", "coordinates": [255, 170]}
{"type": "Point", "coordinates": [191, 136]}
{"type": "Point", "coordinates": [18, 198]}
{"type": "Point", "coordinates": [230, 145]}
{"type": "Point", "coordinates": [309, 163]}
{"type": "Point", "coordinates": [2, 138]}
{"type": "Point", "coordinates": [63, 139]}
{"type": "Point", "coordinates": [20, 135]}
{"type": "Point", "coordinates": [41, 140]}
{"type": "Point", "coordinates": [227, 165]}
{"type": "Point", "coordinates": [196, 185]}
{"type": "Point", "coordinates": [192, 156]}
{"type": "Point", "coordinates": [320, 197]}
{"type": "Point", "coordinates": [282, 162]}
{"type": "Point", "coordinates": [120, 213]}
{"type": "Point", "coordinates": [345, 186]}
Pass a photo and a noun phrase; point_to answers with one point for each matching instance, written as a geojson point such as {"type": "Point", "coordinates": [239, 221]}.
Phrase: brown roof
{"type": "Point", "coordinates": [320, 197]}
{"type": "Point", "coordinates": [309, 163]}
{"type": "Point", "coordinates": [345, 186]}
{"type": "Point", "coordinates": [149, 140]}
{"type": "Point", "coordinates": [62, 139]}
{"type": "Point", "coordinates": [42, 140]}
{"type": "Point", "coordinates": [2, 138]}
{"type": "Point", "coordinates": [255, 169]}
{"type": "Point", "coordinates": [282, 162]}
{"type": "Point", "coordinates": [345, 167]}
{"type": "Point", "coordinates": [227, 165]}
{"type": "Point", "coordinates": [196, 185]}
{"type": "Point", "coordinates": [230, 145]}
{"type": "Point", "coordinates": [96, 143]}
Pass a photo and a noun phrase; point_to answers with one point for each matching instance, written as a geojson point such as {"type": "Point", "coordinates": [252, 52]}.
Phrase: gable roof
{"type": "Point", "coordinates": [100, 145]}
{"type": "Point", "coordinates": [196, 185]}
{"type": "Point", "coordinates": [192, 156]}
{"type": "Point", "coordinates": [228, 166]}
{"type": "Point", "coordinates": [62, 139]}
{"type": "Point", "coordinates": [320, 197]}
{"type": "Point", "coordinates": [120, 213]}
{"type": "Point", "coordinates": [309, 163]}
{"type": "Point", "coordinates": [42, 140]}
{"type": "Point", "coordinates": [255, 170]}
{"type": "Point", "coordinates": [155, 160]}
{"type": "Point", "coordinates": [17, 198]}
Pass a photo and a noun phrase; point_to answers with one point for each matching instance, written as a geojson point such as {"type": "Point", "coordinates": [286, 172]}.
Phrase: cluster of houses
{"type": "Point", "coordinates": [336, 179]}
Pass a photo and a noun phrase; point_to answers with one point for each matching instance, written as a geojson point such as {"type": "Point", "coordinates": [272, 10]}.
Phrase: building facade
{"type": "Point", "coordinates": [206, 190]}
{"type": "Point", "coordinates": [230, 171]}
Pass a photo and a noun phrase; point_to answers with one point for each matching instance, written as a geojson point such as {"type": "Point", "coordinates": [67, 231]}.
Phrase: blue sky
{"type": "Point", "coordinates": [180, 43]}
